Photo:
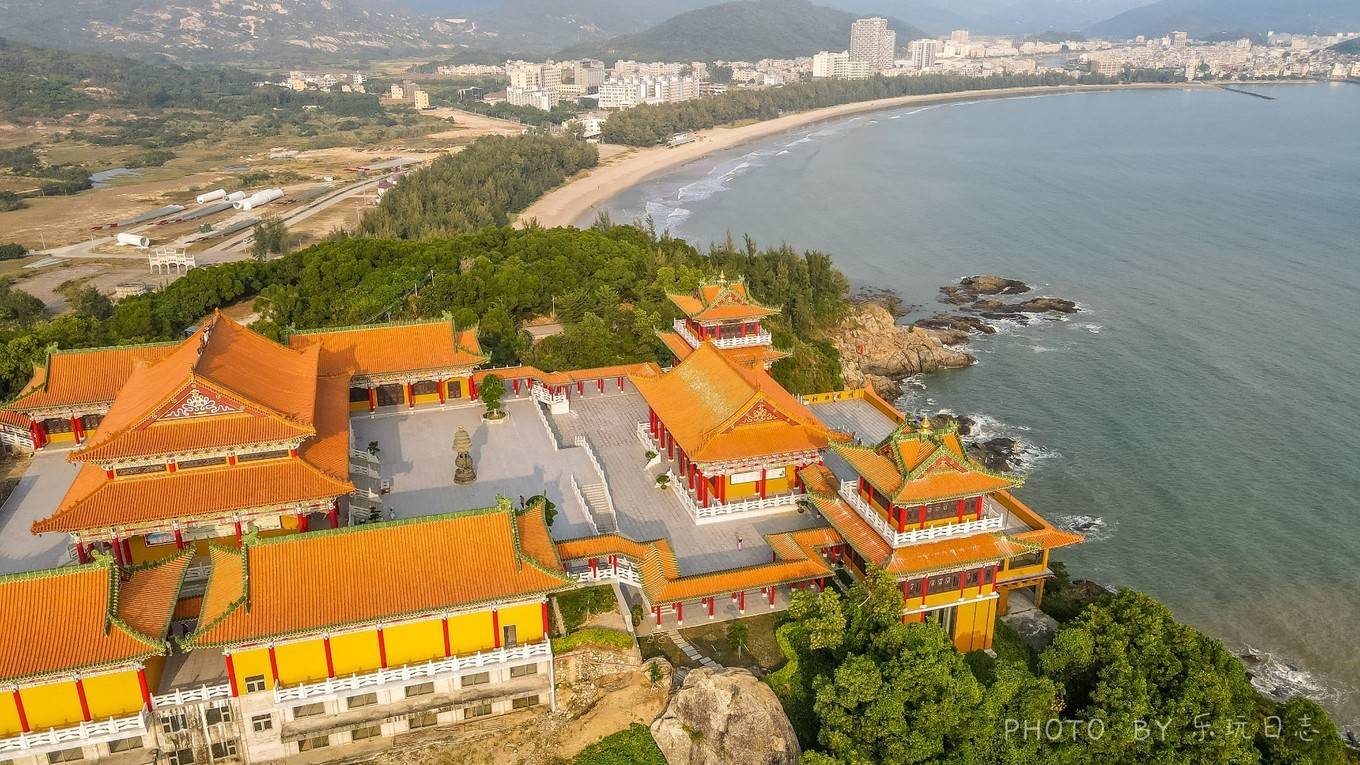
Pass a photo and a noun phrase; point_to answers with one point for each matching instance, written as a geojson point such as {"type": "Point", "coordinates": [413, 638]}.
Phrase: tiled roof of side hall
{"type": "Point", "coordinates": [74, 619]}
{"type": "Point", "coordinates": [372, 349]}
{"type": "Point", "coordinates": [386, 571]}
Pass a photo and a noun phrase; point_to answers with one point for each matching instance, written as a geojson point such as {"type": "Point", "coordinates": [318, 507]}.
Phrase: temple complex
{"type": "Point", "coordinates": [261, 551]}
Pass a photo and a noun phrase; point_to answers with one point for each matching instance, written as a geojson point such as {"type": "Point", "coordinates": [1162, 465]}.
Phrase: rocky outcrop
{"type": "Point", "coordinates": [1033, 305]}
{"type": "Point", "coordinates": [953, 329]}
{"type": "Point", "coordinates": [877, 350]}
{"type": "Point", "coordinates": [970, 288]}
{"type": "Point", "coordinates": [722, 717]}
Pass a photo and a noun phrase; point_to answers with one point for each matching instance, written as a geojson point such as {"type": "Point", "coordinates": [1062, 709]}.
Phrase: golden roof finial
{"type": "Point", "coordinates": [722, 276]}
{"type": "Point", "coordinates": [925, 425]}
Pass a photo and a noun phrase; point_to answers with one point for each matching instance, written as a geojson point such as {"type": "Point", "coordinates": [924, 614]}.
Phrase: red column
{"type": "Point", "coordinates": [722, 488]}
{"type": "Point", "coordinates": [901, 513]}
{"type": "Point", "coordinates": [179, 539]}
{"type": "Point", "coordinates": [333, 515]}
{"type": "Point", "coordinates": [231, 676]}
{"type": "Point", "coordinates": [330, 661]}
{"type": "Point", "coordinates": [38, 432]}
{"type": "Point", "coordinates": [410, 395]}
{"type": "Point", "coordinates": [703, 487]}
{"type": "Point", "coordinates": [171, 467]}
{"type": "Point", "coordinates": [472, 389]}
{"type": "Point", "coordinates": [959, 516]}
{"type": "Point", "coordinates": [771, 588]}
{"type": "Point", "coordinates": [84, 702]}
{"type": "Point", "coordinates": [963, 582]}
{"type": "Point", "coordinates": [127, 552]}
{"type": "Point", "coordinates": [545, 617]}
{"type": "Point", "coordinates": [651, 421]}
{"type": "Point", "coordinates": [78, 430]}
{"type": "Point", "coordinates": [741, 601]}
{"type": "Point", "coordinates": [657, 610]}
{"type": "Point", "coordinates": [496, 626]}
{"type": "Point", "coordinates": [19, 707]}
{"type": "Point", "coordinates": [448, 645]}
{"type": "Point", "coordinates": [231, 459]}
{"type": "Point", "coordinates": [372, 400]}
{"type": "Point", "coordinates": [273, 666]}
{"type": "Point", "coordinates": [620, 383]}
{"type": "Point", "coordinates": [302, 521]}
{"type": "Point", "coordinates": [118, 552]}
{"type": "Point", "coordinates": [680, 613]}
{"type": "Point", "coordinates": [442, 387]}
{"type": "Point", "coordinates": [743, 329]}
{"type": "Point", "coordinates": [82, 554]}
{"type": "Point", "coordinates": [237, 524]}
{"type": "Point", "coordinates": [690, 472]}
{"type": "Point", "coordinates": [711, 602]}
{"type": "Point", "coordinates": [979, 508]}
{"type": "Point", "coordinates": [382, 649]}
{"type": "Point", "coordinates": [923, 516]}
{"type": "Point", "coordinates": [594, 568]}
{"type": "Point", "coordinates": [925, 589]}
{"type": "Point", "coordinates": [762, 480]}
{"type": "Point", "coordinates": [670, 446]}
{"type": "Point", "coordinates": [141, 683]}
{"type": "Point", "coordinates": [614, 565]}
{"type": "Point", "coordinates": [600, 383]}
{"type": "Point", "coordinates": [514, 385]}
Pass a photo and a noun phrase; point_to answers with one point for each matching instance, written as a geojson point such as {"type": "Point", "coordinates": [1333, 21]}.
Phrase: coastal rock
{"type": "Point", "coordinates": [997, 454]}
{"type": "Point", "coordinates": [966, 424]}
{"type": "Point", "coordinates": [953, 325]}
{"type": "Point", "coordinates": [722, 717]}
{"type": "Point", "coordinates": [876, 349]}
{"type": "Point", "coordinates": [991, 307]}
{"type": "Point", "coordinates": [970, 287]}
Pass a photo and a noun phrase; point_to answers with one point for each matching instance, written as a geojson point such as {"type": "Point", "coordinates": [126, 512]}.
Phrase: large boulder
{"type": "Point", "coordinates": [722, 717]}
{"type": "Point", "coordinates": [875, 349]}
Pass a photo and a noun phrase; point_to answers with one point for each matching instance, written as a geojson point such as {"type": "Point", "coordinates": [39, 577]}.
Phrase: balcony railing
{"type": "Point", "coordinates": [410, 672]}
{"type": "Point", "coordinates": [716, 510]}
{"type": "Point", "coordinates": [625, 572]}
{"type": "Point", "coordinates": [191, 695]}
{"type": "Point", "coordinates": [756, 338]}
{"type": "Point", "coordinates": [990, 521]}
{"type": "Point", "coordinates": [75, 735]}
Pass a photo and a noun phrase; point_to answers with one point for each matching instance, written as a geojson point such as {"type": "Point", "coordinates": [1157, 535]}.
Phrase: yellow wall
{"type": "Point", "coordinates": [299, 662]}
{"type": "Point", "coordinates": [415, 642]}
{"type": "Point", "coordinates": [1021, 572]}
{"type": "Point", "coordinates": [61, 438]}
{"type": "Point", "coordinates": [9, 715]}
{"type": "Point", "coordinates": [470, 633]}
{"type": "Point", "coordinates": [251, 663]}
{"type": "Point", "coordinates": [773, 486]}
{"type": "Point", "coordinates": [52, 706]}
{"type": "Point", "coordinates": [528, 621]}
{"type": "Point", "coordinates": [352, 652]}
{"type": "Point", "coordinates": [114, 695]}
{"type": "Point", "coordinates": [974, 624]}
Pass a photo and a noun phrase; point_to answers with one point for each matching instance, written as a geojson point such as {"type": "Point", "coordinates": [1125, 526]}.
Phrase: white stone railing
{"type": "Point", "coordinates": [584, 444]}
{"type": "Point", "coordinates": [644, 435]}
{"type": "Point", "coordinates": [540, 392]}
{"type": "Point", "coordinates": [547, 428]}
{"type": "Point", "coordinates": [604, 572]}
{"type": "Point", "coordinates": [581, 500]}
{"type": "Point", "coordinates": [363, 455]}
{"type": "Point", "coordinates": [716, 510]}
{"type": "Point", "coordinates": [82, 733]}
{"type": "Point", "coordinates": [410, 672]}
{"type": "Point", "coordinates": [759, 338]}
{"type": "Point", "coordinates": [990, 521]}
{"type": "Point", "coordinates": [191, 695]}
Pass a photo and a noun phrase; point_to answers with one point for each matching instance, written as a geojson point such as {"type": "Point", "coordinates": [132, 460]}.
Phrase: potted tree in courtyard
{"type": "Point", "coordinates": [492, 391]}
{"type": "Point", "coordinates": [663, 481]}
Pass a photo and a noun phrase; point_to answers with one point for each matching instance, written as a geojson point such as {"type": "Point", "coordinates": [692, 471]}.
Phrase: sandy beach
{"type": "Point", "coordinates": [623, 167]}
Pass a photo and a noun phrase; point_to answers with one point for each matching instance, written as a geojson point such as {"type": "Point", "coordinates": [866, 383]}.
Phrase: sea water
{"type": "Point", "coordinates": [1198, 417]}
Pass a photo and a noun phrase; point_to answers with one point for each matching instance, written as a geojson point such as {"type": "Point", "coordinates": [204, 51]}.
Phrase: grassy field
{"type": "Point", "coordinates": [659, 645]}
{"type": "Point", "coordinates": [631, 746]}
{"type": "Point", "coordinates": [761, 650]}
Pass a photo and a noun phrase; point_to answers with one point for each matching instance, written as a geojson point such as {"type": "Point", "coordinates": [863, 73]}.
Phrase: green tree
{"type": "Point", "coordinates": [492, 391]}
{"type": "Point", "coordinates": [271, 237]}
{"type": "Point", "coordinates": [1126, 662]}
{"type": "Point", "coordinates": [738, 632]}
{"type": "Point", "coordinates": [90, 302]}
{"type": "Point", "coordinates": [1300, 732]}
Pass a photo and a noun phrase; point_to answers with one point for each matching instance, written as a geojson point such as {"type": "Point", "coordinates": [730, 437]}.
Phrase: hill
{"type": "Point", "coordinates": [1351, 47]}
{"type": "Point", "coordinates": [743, 30]}
{"type": "Point", "coordinates": [209, 30]}
{"type": "Point", "coordinates": [547, 25]}
{"type": "Point", "coordinates": [1203, 18]}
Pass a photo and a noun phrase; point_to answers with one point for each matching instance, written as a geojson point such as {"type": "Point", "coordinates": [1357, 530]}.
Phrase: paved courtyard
{"type": "Point", "coordinates": [857, 416]}
{"type": "Point", "coordinates": [514, 457]}
{"type": "Point", "coordinates": [644, 512]}
{"type": "Point", "coordinates": [40, 488]}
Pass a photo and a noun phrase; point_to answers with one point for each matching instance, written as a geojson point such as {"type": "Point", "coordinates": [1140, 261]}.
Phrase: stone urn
{"type": "Point", "coordinates": [463, 472]}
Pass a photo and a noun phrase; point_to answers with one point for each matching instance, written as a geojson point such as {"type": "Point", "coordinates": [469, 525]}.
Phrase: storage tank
{"type": "Point", "coordinates": [133, 240]}
{"type": "Point", "coordinates": [234, 196]}
{"type": "Point", "coordinates": [259, 198]}
{"type": "Point", "coordinates": [211, 196]}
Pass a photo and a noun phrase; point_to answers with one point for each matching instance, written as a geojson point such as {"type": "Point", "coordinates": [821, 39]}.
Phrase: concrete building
{"type": "Point", "coordinates": [959, 37]}
{"type": "Point", "coordinates": [422, 99]}
{"type": "Point", "coordinates": [923, 53]}
{"type": "Point", "coordinates": [839, 66]}
{"type": "Point", "coordinates": [588, 74]}
{"type": "Point", "coordinates": [533, 98]}
{"type": "Point", "coordinates": [872, 42]}
{"type": "Point", "coordinates": [1178, 39]}
{"type": "Point", "coordinates": [397, 93]}
{"type": "Point", "coordinates": [624, 93]}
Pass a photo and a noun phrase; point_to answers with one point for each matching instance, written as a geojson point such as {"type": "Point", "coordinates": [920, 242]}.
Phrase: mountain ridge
{"type": "Point", "coordinates": [1202, 18]}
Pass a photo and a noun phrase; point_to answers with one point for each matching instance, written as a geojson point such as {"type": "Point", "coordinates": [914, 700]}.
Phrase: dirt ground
{"type": "Point", "coordinates": [585, 714]}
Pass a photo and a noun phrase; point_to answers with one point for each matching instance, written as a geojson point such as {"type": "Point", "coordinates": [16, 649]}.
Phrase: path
{"type": "Point", "coordinates": [690, 651]}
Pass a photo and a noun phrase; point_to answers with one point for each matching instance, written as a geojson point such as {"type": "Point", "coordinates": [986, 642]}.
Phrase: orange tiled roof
{"type": "Point", "coordinates": [15, 420]}
{"type": "Point", "coordinates": [720, 301]}
{"type": "Point", "coordinates": [922, 558]}
{"type": "Point", "coordinates": [919, 465]}
{"type": "Point", "coordinates": [82, 618]}
{"type": "Point", "coordinates": [756, 356]}
{"type": "Point", "coordinates": [643, 369]}
{"type": "Point", "coordinates": [677, 345]}
{"type": "Point", "coordinates": [376, 349]}
{"type": "Point", "coordinates": [83, 377]}
{"type": "Point", "coordinates": [798, 560]}
{"type": "Point", "coordinates": [720, 410]}
{"type": "Point", "coordinates": [320, 471]}
{"type": "Point", "coordinates": [222, 370]}
{"type": "Point", "coordinates": [302, 584]}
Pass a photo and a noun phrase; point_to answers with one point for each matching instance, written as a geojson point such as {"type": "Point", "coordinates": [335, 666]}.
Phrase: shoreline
{"type": "Point", "coordinates": [580, 195]}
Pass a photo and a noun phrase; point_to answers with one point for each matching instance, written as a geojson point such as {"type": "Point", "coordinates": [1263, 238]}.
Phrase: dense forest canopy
{"type": "Point", "coordinates": [652, 124]}
{"type": "Point", "coordinates": [479, 186]}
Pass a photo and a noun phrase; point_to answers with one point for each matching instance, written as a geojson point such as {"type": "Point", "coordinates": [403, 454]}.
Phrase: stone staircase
{"type": "Point", "coordinates": [601, 511]}
{"type": "Point", "coordinates": [690, 651]}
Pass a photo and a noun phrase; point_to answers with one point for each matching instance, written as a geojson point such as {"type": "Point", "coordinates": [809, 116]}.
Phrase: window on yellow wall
{"type": "Point", "coordinates": [255, 684]}
{"type": "Point", "coordinates": [511, 636]}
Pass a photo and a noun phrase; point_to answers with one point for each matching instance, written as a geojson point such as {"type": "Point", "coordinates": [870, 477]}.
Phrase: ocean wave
{"type": "Point", "coordinates": [1280, 679]}
{"type": "Point", "coordinates": [805, 139]}
{"type": "Point", "coordinates": [782, 152]}
{"type": "Point", "coordinates": [1093, 527]}
{"type": "Point", "coordinates": [1092, 328]}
